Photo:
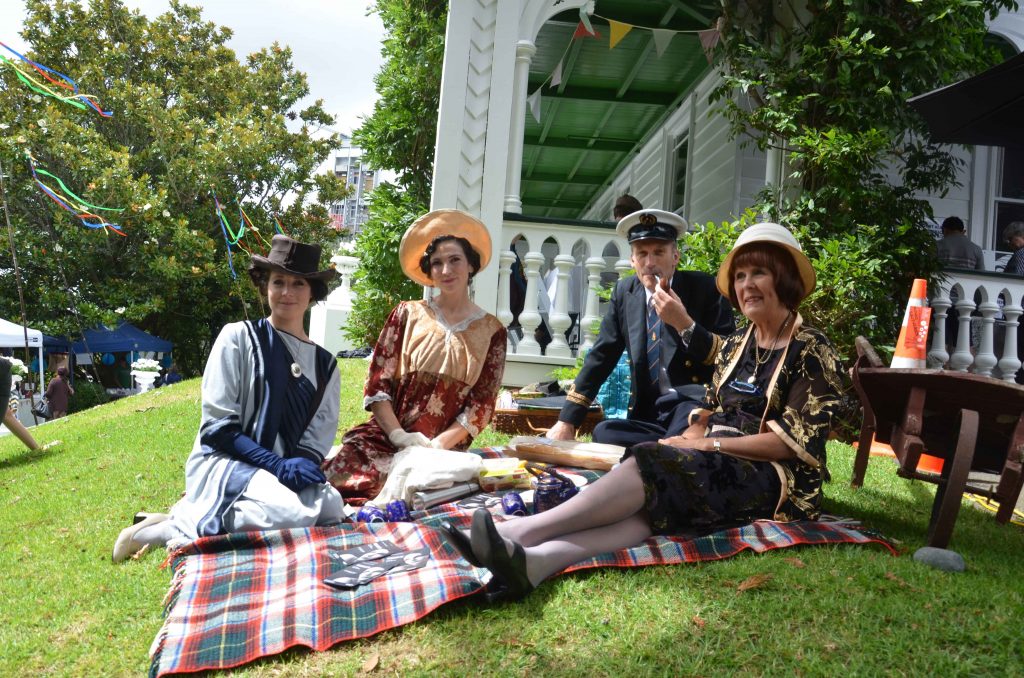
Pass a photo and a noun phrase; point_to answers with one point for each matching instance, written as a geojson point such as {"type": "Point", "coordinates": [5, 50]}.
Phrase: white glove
{"type": "Point", "coordinates": [436, 443]}
{"type": "Point", "coordinates": [402, 439]}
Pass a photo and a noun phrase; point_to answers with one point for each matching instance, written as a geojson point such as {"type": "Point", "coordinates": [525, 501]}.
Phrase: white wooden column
{"type": "Point", "coordinates": [1010, 362]}
{"type": "Point", "coordinates": [513, 174]}
{"type": "Point", "coordinates": [985, 360]}
{"type": "Point", "coordinates": [962, 358]}
{"type": "Point", "coordinates": [530, 318]}
{"type": "Point", "coordinates": [591, 316]}
{"type": "Point", "coordinates": [558, 318]}
{"type": "Point", "coordinates": [938, 356]}
{"type": "Point", "coordinates": [504, 313]}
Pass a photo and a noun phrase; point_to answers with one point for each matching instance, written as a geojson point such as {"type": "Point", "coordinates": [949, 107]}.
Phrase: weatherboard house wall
{"type": "Point", "coordinates": [490, 45]}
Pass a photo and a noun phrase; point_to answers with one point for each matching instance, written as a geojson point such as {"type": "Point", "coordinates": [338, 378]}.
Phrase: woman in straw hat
{"type": "Point", "coordinates": [437, 366]}
{"type": "Point", "coordinates": [755, 450]}
{"type": "Point", "coordinates": [269, 415]}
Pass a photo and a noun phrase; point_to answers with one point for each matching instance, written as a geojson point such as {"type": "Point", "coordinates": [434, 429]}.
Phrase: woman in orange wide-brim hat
{"type": "Point", "coordinates": [437, 366]}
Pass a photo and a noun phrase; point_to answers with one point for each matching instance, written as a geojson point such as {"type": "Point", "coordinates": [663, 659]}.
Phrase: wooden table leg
{"type": "Point", "coordinates": [1011, 480]}
{"type": "Point", "coordinates": [950, 491]}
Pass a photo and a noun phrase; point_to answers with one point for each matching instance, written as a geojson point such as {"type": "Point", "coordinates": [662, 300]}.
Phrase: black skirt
{"type": "Point", "coordinates": [693, 491]}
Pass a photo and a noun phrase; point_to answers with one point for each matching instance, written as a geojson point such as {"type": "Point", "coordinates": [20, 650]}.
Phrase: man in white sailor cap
{"type": "Point", "coordinates": [669, 321]}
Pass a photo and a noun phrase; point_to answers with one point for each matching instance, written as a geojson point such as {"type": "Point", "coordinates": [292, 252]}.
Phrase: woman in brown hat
{"type": "Point", "coordinates": [437, 366]}
{"type": "Point", "coordinates": [269, 416]}
{"type": "Point", "coordinates": [755, 450]}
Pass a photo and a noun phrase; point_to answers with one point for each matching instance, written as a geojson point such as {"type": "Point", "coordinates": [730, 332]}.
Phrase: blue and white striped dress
{"type": "Point", "coordinates": [263, 383]}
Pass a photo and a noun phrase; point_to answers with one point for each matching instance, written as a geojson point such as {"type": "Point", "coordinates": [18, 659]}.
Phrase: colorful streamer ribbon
{"type": "Point", "coordinates": [76, 205]}
{"type": "Point", "coordinates": [76, 99]}
{"type": "Point", "coordinates": [236, 237]}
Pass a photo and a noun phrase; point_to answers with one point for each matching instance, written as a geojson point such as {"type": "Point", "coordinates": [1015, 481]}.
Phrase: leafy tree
{"type": "Point", "coordinates": [189, 121]}
{"type": "Point", "coordinates": [826, 81]}
{"type": "Point", "coordinates": [398, 136]}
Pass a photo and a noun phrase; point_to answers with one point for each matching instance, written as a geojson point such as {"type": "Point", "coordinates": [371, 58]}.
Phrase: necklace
{"type": "Point", "coordinates": [758, 360]}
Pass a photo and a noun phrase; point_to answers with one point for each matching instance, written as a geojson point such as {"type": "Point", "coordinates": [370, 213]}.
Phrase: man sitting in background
{"type": "Point", "coordinates": [956, 250]}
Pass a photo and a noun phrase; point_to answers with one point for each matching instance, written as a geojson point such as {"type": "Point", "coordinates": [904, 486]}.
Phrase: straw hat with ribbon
{"type": "Point", "coordinates": [433, 224]}
{"type": "Point", "coordinates": [777, 235]}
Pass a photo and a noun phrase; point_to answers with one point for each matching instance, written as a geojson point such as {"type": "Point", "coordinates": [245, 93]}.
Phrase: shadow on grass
{"type": "Point", "coordinates": [905, 517]}
{"type": "Point", "coordinates": [26, 457]}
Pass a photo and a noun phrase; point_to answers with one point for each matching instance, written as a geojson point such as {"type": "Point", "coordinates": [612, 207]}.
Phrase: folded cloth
{"type": "Point", "coordinates": [415, 469]}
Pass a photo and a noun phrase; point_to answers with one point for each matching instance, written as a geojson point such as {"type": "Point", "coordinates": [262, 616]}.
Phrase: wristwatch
{"type": "Point", "coordinates": [718, 444]}
{"type": "Point", "coordinates": [686, 335]}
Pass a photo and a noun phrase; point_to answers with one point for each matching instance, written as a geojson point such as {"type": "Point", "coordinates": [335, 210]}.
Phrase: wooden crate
{"type": "Point", "coordinates": [535, 422]}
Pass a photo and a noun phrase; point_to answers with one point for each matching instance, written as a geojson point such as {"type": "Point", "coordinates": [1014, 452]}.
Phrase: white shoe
{"type": "Point", "coordinates": [142, 515]}
{"type": "Point", "coordinates": [126, 546]}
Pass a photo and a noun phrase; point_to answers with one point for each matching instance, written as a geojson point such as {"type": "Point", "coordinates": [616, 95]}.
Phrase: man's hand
{"type": "Point", "coordinates": [562, 431]}
{"type": "Point", "coordinates": [670, 307]}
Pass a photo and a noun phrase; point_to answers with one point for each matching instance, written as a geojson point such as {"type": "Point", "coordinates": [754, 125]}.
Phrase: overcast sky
{"type": "Point", "coordinates": [333, 41]}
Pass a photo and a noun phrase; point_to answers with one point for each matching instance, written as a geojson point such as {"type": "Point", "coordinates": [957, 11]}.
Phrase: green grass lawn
{"type": "Point", "coordinates": [66, 610]}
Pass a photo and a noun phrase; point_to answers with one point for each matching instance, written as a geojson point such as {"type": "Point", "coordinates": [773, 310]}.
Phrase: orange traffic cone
{"type": "Point", "coordinates": [911, 347]}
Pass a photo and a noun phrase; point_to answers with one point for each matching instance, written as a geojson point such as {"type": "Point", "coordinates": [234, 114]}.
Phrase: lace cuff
{"type": "Point", "coordinates": [463, 421]}
{"type": "Point", "coordinates": [375, 398]}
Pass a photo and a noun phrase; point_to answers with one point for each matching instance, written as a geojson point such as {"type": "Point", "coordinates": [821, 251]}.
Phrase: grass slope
{"type": "Point", "coordinates": [66, 610]}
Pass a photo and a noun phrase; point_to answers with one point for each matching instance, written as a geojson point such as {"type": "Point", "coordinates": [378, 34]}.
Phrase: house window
{"type": "Point", "coordinates": [1009, 198]}
{"type": "Point", "coordinates": [678, 187]}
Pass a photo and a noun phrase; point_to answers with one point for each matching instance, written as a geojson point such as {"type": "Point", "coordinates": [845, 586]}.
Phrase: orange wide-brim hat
{"type": "Point", "coordinates": [436, 223]}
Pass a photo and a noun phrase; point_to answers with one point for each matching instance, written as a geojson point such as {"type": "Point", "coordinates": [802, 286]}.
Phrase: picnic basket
{"type": "Point", "coordinates": [515, 421]}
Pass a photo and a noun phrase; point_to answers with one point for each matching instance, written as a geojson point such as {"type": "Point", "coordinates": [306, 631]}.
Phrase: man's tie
{"type": "Point", "coordinates": [653, 344]}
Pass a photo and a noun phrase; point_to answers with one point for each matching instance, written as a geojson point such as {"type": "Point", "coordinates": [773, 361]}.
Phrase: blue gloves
{"type": "Point", "coordinates": [298, 473]}
{"type": "Point", "coordinates": [295, 473]}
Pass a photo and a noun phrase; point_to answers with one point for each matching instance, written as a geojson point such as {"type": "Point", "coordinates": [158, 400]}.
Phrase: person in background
{"type": "Point", "coordinates": [669, 321]}
{"type": "Point", "coordinates": [625, 205]}
{"type": "Point", "coordinates": [59, 393]}
{"type": "Point", "coordinates": [436, 369]}
{"type": "Point", "coordinates": [123, 374]}
{"type": "Point", "coordinates": [10, 418]}
{"type": "Point", "coordinates": [270, 400]}
{"type": "Point", "coordinates": [172, 376]}
{"type": "Point", "coordinates": [956, 250]}
{"type": "Point", "coordinates": [1013, 234]}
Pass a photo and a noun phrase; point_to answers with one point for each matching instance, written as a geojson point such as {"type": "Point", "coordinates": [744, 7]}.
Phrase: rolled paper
{"type": "Point", "coordinates": [429, 498]}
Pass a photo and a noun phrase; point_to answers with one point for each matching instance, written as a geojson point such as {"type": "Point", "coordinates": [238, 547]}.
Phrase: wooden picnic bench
{"type": "Point", "coordinates": [970, 421]}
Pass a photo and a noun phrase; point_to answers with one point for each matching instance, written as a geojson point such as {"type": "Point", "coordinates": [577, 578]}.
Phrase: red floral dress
{"type": "Point", "coordinates": [434, 374]}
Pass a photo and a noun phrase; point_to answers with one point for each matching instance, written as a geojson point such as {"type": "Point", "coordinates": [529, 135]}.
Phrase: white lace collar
{"type": "Point", "coordinates": [480, 313]}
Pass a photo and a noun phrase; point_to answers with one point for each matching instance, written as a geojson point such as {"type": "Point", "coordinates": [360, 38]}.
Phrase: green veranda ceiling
{"type": "Point", "coordinates": [609, 100]}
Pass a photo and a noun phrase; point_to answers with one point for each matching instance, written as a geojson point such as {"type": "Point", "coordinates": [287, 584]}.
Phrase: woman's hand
{"type": "Point", "coordinates": [674, 441]}
{"type": "Point", "coordinates": [681, 441]}
{"type": "Point", "coordinates": [401, 439]}
{"type": "Point", "coordinates": [449, 439]}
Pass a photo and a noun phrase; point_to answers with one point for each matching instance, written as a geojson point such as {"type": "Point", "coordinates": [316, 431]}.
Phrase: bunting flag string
{"type": "Point", "coordinates": [662, 36]}
{"type": "Point", "coordinates": [75, 98]}
{"type": "Point", "coordinates": [69, 201]}
{"type": "Point", "coordinates": [618, 30]}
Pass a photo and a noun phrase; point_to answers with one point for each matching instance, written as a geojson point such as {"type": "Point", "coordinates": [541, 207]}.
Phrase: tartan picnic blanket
{"type": "Point", "coordinates": [235, 598]}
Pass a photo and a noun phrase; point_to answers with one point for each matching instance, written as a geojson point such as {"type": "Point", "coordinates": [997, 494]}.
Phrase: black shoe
{"type": "Point", "coordinates": [510, 570]}
{"type": "Point", "coordinates": [461, 543]}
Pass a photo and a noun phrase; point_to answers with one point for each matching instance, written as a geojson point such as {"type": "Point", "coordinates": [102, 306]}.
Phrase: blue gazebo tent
{"type": "Point", "coordinates": [125, 338]}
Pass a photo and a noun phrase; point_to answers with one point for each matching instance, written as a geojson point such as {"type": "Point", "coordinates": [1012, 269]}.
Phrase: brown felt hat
{"type": "Point", "coordinates": [288, 255]}
{"type": "Point", "coordinates": [436, 223]}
